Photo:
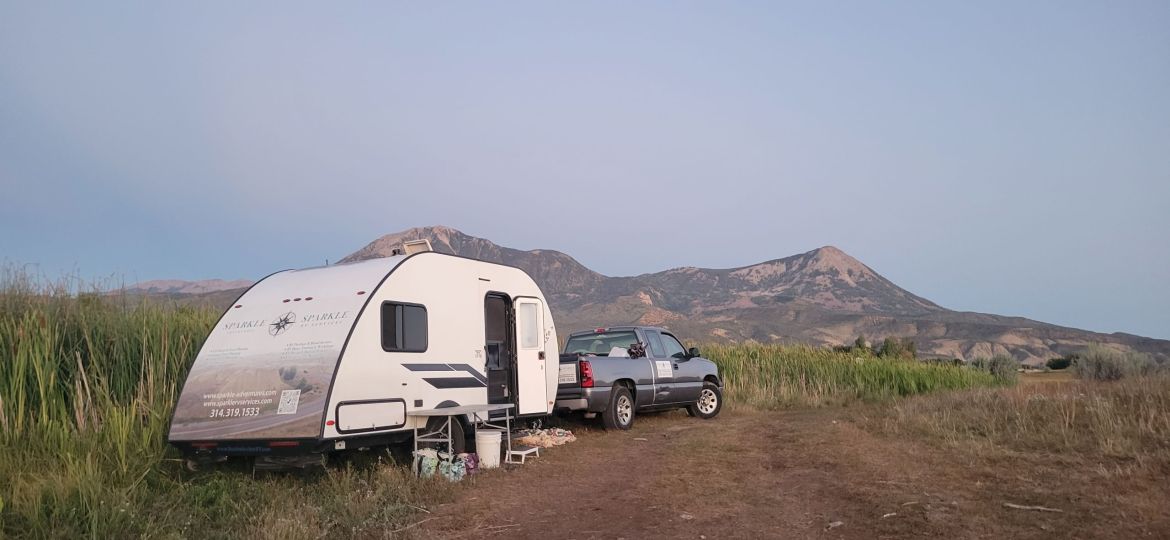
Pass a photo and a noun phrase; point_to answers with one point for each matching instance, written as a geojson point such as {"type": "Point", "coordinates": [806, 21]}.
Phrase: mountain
{"type": "Point", "coordinates": [556, 272]}
{"type": "Point", "coordinates": [180, 287]}
{"type": "Point", "coordinates": [823, 296]}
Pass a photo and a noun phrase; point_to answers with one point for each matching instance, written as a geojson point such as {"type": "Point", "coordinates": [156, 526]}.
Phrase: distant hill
{"type": "Point", "coordinates": [823, 296]}
{"type": "Point", "coordinates": [178, 286]}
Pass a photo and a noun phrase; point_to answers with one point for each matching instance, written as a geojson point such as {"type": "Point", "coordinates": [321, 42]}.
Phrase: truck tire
{"type": "Point", "coordinates": [709, 404]}
{"type": "Point", "coordinates": [620, 413]}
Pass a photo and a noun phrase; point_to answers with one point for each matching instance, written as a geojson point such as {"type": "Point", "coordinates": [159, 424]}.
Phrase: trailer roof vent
{"type": "Point", "coordinates": [417, 246]}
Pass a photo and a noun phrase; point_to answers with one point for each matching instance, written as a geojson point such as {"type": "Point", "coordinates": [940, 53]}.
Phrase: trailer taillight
{"type": "Point", "coordinates": [204, 445]}
{"type": "Point", "coordinates": [586, 374]}
{"type": "Point", "coordinates": [282, 444]}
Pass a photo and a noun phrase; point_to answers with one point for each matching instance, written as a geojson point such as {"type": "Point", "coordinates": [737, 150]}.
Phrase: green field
{"type": "Point", "coordinates": [88, 384]}
{"type": "Point", "coordinates": [772, 376]}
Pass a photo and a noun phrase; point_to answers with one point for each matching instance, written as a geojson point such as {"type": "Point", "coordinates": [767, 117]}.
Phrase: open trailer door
{"type": "Point", "coordinates": [530, 356]}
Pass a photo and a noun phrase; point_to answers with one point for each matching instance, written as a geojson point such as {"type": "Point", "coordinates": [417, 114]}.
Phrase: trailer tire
{"type": "Point", "coordinates": [458, 435]}
{"type": "Point", "coordinates": [620, 413]}
{"type": "Point", "coordinates": [709, 404]}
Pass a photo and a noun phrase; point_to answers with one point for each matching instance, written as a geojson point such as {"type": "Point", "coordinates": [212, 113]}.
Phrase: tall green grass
{"type": "Point", "coordinates": [773, 376]}
{"type": "Point", "coordinates": [87, 385]}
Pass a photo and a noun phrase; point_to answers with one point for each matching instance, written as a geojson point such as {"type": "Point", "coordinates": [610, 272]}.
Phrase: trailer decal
{"type": "Point", "coordinates": [448, 367]}
{"type": "Point", "coordinates": [455, 382]}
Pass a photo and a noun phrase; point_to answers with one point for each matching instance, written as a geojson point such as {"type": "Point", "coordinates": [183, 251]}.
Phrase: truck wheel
{"type": "Point", "coordinates": [620, 414]}
{"type": "Point", "coordinates": [709, 404]}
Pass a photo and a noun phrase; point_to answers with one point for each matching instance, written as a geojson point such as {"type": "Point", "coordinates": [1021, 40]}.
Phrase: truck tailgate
{"type": "Point", "coordinates": [569, 374]}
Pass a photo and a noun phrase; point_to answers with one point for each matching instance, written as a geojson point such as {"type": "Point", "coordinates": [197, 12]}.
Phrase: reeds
{"type": "Point", "coordinates": [87, 385]}
{"type": "Point", "coordinates": [773, 376]}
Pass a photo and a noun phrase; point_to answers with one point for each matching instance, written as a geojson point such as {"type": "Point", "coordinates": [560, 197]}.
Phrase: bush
{"type": "Point", "coordinates": [1102, 364]}
{"type": "Point", "coordinates": [1059, 363]}
{"type": "Point", "coordinates": [898, 348]}
{"type": "Point", "coordinates": [1003, 368]}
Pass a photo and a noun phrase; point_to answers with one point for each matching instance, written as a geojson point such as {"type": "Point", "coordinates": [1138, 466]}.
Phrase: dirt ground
{"type": "Point", "coordinates": [795, 474]}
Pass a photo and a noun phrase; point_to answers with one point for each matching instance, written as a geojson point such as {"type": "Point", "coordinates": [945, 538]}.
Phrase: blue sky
{"type": "Point", "coordinates": [1004, 157]}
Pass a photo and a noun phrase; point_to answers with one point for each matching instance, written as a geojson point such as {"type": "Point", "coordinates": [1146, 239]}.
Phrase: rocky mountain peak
{"type": "Point", "coordinates": [831, 259]}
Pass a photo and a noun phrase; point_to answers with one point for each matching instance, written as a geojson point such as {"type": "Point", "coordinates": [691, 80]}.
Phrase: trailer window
{"type": "Point", "coordinates": [529, 328]}
{"type": "Point", "coordinates": [404, 327]}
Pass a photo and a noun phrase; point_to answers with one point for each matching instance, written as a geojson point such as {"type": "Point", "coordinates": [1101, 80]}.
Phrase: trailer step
{"type": "Point", "coordinates": [522, 452]}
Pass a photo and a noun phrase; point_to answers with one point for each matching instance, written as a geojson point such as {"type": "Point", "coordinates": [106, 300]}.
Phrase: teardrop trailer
{"type": "Point", "coordinates": [308, 362]}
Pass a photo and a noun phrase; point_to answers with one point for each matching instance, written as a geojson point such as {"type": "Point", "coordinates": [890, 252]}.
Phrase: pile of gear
{"type": "Point", "coordinates": [428, 462]}
{"type": "Point", "coordinates": [545, 438]}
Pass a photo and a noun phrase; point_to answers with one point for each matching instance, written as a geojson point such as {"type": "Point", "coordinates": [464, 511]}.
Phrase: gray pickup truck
{"type": "Point", "coordinates": [619, 370]}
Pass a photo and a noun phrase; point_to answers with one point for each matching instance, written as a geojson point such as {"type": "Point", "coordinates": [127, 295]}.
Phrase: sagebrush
{"type": "Point", "coordinates": [1099, 363]}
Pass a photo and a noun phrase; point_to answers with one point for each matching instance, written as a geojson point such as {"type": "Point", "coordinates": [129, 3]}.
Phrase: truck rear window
{"type": "Point", "coordinates": [600, 343]}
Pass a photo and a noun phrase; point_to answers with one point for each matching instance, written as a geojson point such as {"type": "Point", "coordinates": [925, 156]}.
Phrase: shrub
{"type": "Point", "coordinates": [1099, 363]}
{"type": "Point", "coordinates": [1003, 368]}
{"type": "Point", "coordinates": [898, 348]}
{"type": "Point", "coordinates": [1059, 363]}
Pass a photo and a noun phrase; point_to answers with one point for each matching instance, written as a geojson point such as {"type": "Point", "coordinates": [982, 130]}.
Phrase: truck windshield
{"type": "Point", "coordinates": [600, 343]}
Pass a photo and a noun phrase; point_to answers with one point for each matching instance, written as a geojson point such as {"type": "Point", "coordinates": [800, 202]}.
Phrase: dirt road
{"type": "Point", "coordinates": [797, 474]}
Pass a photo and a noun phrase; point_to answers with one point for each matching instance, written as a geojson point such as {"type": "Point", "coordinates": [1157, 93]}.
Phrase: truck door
{"type": "Point", "coordinates": [530, 358]}
{"type": "Point", "coordinates": [661, 368]}
{"type": "Point", "coordinates": [687, 378]}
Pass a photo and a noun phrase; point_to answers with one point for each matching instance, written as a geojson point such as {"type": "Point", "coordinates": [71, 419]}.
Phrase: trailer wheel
{"type": "Point", "coordinates": [709, 404]}
{"type": "Point", "coordinates": [458, 436]}
{"type": "Point", "coordinates": [620, 413]}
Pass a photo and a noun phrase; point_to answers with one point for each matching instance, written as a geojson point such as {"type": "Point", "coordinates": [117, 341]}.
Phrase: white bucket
{"type": "Point", "coordinates": [487, 445]}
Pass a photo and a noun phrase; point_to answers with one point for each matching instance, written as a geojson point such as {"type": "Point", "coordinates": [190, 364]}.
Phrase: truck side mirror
{"type": "Point", "coordinates": [693, 352]}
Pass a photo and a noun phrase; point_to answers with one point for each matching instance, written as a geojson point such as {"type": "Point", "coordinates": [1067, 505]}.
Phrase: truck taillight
{"type": "Point", "coordinates": [586, 374]}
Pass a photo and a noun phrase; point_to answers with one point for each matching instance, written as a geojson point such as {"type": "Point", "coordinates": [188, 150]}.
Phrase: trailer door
{"type": "Point", "coordinates": [530, 357]}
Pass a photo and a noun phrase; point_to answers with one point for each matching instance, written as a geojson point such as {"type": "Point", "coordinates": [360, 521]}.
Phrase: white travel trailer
{"type": "Point", "coordinates": [306, 361]}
